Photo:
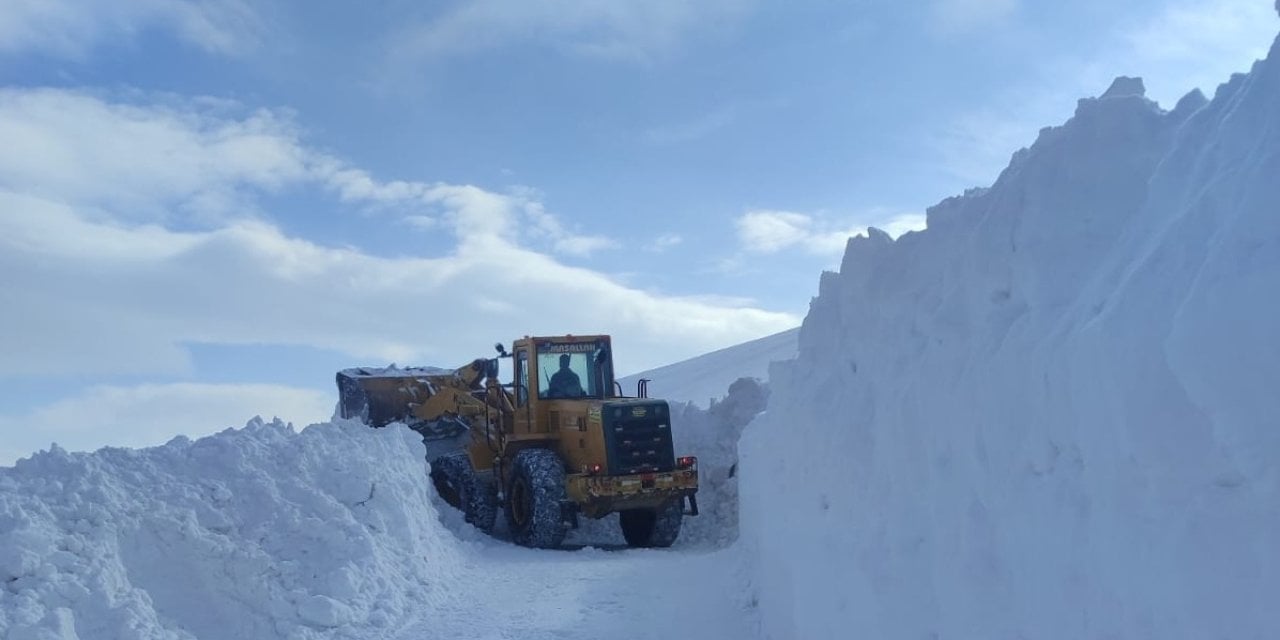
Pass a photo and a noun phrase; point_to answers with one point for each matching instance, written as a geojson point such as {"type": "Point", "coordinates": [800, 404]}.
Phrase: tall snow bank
{"type": "Point", "coordinates": [1054, 413]}
{"type": "Point", "coordinates": [262, 532]}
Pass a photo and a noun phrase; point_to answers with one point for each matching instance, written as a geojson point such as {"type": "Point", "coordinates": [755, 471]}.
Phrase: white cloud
{"type": "Point", "coordinates": [583, 245]}
{"type": "Point", "coordinates": [546, 226]}
{"type": "Point", "coordinates": [151, 414]}
{"type": "Point", "coordinates": [422, 223]}
{"type": "Point", "coordinates": [109, 284]}
{"type": "Point", "coordinates": [772, 231]}
{"type": "Point", "coordinates": [636, 30]}
{"type": "Point", "coordinates": [977, 145]}
{"type": "Point", "coordinates": [899, 225]}
{"type": "Point", "coordinates": [70, 29]}
{"type": "Point", "coordinates": [956, 16]}
{"type": "Point", "coordinates": [1198, 45]}
{"type": "Point", "coordinates": [664, 242]}
{"type": "Point", "coordinates": [129, 304]}
{"type": "Point", "coordinates": [765, 231]}
{"type": "Point", "coordinates": [207, 161]}
{"type": "Point", "coordinates": [692, 130]}
{"type": "Point", "coordinates": [143, 163]}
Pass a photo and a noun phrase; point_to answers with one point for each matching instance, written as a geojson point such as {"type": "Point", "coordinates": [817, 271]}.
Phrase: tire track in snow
{"type": "Point", "coordinates": [515, 593]}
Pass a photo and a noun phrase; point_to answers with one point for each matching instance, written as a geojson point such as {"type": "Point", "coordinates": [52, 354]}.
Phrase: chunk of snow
{"type": "Point", "coordinates": [1124, 86]}
{"type": "Point", "coordinates": [323, 611]}
{"type": "Point", "coordinates": [58, 624]}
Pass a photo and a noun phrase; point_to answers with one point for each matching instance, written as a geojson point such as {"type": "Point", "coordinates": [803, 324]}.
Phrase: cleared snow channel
{"type": "Point", "coordinates": [330, 532]}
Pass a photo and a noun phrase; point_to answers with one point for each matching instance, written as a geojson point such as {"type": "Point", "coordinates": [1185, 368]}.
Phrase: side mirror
{"type": "Point", "coordinates": [502, 351]}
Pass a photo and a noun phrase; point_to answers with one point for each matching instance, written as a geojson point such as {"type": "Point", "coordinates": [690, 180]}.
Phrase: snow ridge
{"type": "Point", "coordinates": [1052, 413]}
{"type": "Point", "coordinates": [262, 532]}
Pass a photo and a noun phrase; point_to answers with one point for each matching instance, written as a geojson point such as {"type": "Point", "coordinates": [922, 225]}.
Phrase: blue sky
{"type": "Point", "coordinates": [206, 208]}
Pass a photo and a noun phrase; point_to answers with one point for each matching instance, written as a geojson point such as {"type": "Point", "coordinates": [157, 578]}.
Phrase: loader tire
{"type": "Point", "coordinates": [535, 498]}
{"type": "Point", "coordinates": [460, 486]}
{"type": "Point", "coordinates": [652, 527]}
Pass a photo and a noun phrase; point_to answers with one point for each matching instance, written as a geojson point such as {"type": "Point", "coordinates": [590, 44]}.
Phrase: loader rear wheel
{"type": "Point", "coordinates": [652, 527]}
{"type": "Point", "coordinates": [460, 486]}
{"type": "Point", "coordinates": [535, 498]}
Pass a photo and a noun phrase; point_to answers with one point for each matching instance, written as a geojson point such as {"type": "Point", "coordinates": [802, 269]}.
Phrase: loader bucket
{"type": "Point", "coordinates": [426, 399]}
{"type": "Point", "coordinates": [384, 395]}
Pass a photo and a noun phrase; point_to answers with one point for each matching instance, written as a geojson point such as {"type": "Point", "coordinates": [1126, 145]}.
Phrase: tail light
{"type": "Point", "coordinates": [687, 462]}
{"type": "Point", "coordinates": [594, 469]}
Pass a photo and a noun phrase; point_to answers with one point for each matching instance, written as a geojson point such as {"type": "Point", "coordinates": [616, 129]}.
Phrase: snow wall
{"type": "Point", "coordinates": [1056, 412]}
{"type": "Point", "coordinates": [261, 532]}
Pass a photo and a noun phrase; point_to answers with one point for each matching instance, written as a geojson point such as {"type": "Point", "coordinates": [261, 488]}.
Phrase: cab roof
{"type": "Point", "coordinates": [563, 338]}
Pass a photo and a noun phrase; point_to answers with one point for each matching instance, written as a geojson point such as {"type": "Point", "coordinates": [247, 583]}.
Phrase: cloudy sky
{"type": "Point", "coordinates": [206, 208]}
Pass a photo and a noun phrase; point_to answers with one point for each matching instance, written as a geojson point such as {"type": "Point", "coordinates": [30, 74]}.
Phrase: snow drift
{"type": "Point", "coordinates": [1052, 414]}
{"type": "Point", "coordinates": [262, 532]}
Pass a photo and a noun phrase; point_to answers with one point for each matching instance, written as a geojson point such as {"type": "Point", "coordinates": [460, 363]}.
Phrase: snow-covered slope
{"type": "Point", "coordinates": [707, 377]}
{"type": "Point", "coordinates": [266, 533]}
{"type": "Point", "coordinates": [1053, 414]}
{"type": "Point", "coordinates": [261, 532]}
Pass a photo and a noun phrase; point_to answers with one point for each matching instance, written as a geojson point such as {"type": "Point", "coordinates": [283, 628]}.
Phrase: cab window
{"type": "Point", "coordinates": [522, 377]}
{"type": "Point", "coordinates": [564, 375]}
{"type": "Point", "coordinates": [573, 370]}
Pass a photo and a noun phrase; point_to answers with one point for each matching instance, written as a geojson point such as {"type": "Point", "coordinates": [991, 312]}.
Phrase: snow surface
{"type": "Point", "coordinates": [707, 377]}
{"type": "Point", "coordinates": [331, 532]}
{"type": "Point", "coordinates": [261, 532]}
{"type": "Point", "coordinates": [1052, 414]}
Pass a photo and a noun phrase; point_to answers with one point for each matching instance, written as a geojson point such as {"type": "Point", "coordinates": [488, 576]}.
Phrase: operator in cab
{"type": "Point", "coordinates": [565, 383]}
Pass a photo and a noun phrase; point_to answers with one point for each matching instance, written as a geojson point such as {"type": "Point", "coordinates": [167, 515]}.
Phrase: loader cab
{"type": "Point", "coordinates": [562, 368]}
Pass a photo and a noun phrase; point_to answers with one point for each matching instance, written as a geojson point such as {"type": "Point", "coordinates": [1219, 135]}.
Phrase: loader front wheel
{"type": "Point", "coordinates": [652, 527]}
{"type": "Point", "coordinates": [535, 495]}
{"type": "Point", "coordinates": [460, 486]}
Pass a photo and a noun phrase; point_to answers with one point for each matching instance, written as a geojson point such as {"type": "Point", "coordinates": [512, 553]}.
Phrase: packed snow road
{"type": "Point", "coordinates": [590, 592]}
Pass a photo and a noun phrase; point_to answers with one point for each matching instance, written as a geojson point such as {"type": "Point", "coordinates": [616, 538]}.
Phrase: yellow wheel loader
{"type": "Point", "coordinates": [558, 442]}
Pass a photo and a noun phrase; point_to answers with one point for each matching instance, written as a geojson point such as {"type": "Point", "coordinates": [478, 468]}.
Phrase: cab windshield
{"type": "Point", "coordinates": [573, 370]}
